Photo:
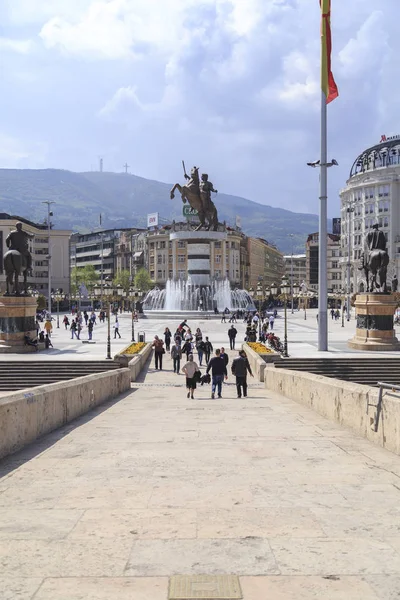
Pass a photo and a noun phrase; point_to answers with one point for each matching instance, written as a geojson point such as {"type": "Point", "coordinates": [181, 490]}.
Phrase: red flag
{"type": "Point", "coordinates": [328, 84]}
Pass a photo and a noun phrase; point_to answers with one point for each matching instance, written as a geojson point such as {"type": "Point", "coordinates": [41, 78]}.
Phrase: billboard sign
{"type": "Point", "coordinates": [152, 220]}
{"type": "Point", "coordinates": [336, 226]}
{"type": "Point", "coordinates": [188, 211]}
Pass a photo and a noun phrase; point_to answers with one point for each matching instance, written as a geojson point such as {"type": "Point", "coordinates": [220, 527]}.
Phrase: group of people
{"type": "Point", "coordinates": [253, 325]}
{"type": "Point", "coordinates": [184, 342]}
{"type": "Point", "coordinates": [76, 325]}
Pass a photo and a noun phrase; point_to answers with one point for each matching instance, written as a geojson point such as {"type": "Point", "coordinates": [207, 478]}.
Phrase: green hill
{"type": "Point", "coordinates": [124, 201]}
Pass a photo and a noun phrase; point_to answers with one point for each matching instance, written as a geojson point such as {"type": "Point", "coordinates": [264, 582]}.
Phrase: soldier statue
{"type": "Point", "coordinates": [17, 259]}
{"type": "Point", "coordinates": [375, 260]}
{"type": "Point", "coordinates": [198, 194]}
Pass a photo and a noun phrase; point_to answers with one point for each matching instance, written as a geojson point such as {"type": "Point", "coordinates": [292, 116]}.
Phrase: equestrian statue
{"type": "Point", "coordinates": [198, 194]}
{"type": "Point", "coordinates": [375, 260]}
{"type": "Point", "coordinates": [17, 260]}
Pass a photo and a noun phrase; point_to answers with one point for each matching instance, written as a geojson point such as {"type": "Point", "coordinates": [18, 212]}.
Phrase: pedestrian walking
{"type": "Point", "coordinates": [208, 348]}
{"type": "Point", "coordinates": [85, 316]}
{"type": "Point", "coordinates": [187, 348]}
{"type": "Point", "coordinates": [37, 327]}
{"type": "Point", "coordinates": [159, 350]}
{"type": "Point", "coordinates": [48, 327]}
{"type": "Point", "coordinates": [47, 342]}
{"type": "Point", "coordinates": [178, 337]}
{"type": "Point", "coordinates": [271, 322]}
{"type": "Point", "coordinates": [232, 333]}
{"type": "Point", "coordinates": [116, 329]}
{"type": "Point", "coordinates": [73, 329]}
{"type": "Point", "coordinates": [198, 335]}
{"type": "Point", "coordinates": [176, 355]}
{"type": "Point", "coordinates": [218, 371]}
{"type": "Point", "coordinates": [90, 329]}
{"type": "Point", "coordinates": [224, 356]}
{"type": "Point", "coordinates": [190, 370]}
{"type": "Point", "coordinates": [240, 367]}
{"type": "Point", "coordinates": [93, 317]}
{"type": "Point", "coordinates": [200, 346]}
{"type": "Point", "coordinates": [79, 329]}
{"type": "Point", "coordinates": [66, 322]}
{"type": "Point", "coordinates": [223, 317]}
{"type": "Point", "coordinates": [167, 338]}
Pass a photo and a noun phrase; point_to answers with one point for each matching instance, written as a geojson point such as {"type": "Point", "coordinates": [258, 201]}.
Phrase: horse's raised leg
{"type": "Point", "coordinates": [177, 186]}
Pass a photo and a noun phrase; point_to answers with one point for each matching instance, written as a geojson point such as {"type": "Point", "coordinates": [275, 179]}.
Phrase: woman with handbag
{"type": "Point", "coordinates": [158, 346]}
{"type": "Point", "coordinates": [191, 369]}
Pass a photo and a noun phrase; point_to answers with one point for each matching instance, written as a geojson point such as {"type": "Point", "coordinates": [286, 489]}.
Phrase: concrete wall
{"type": "Point", "coordinates": [257, 363]}
{"type": "Point", "coordinates": [342, 402]}
{"type": "Point", "coordinates": [27, 415]}
{"type": "Point", "coordinates": [136, 363]}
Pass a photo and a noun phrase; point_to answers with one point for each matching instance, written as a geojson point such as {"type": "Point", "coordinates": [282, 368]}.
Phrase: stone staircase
{"type": "Point", "coordinates": [18, 375]}
{"type": "Point", "coordinates": [367, 371]}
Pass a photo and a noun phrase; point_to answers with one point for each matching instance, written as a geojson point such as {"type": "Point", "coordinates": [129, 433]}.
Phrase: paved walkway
{"type": "Point", "coordinates": [155, 484]}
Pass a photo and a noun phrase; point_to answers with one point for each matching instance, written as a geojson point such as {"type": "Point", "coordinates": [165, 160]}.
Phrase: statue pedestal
{"type": "Point", "coordinates": [375, 331]}
{"type": "Point", "coordinates": [17, 317]}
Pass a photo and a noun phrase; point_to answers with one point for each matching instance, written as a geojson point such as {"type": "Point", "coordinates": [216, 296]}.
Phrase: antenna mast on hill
{"type": "Point", "coordinates": [126, 167]}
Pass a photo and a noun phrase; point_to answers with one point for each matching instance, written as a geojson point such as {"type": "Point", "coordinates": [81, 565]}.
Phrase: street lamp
{"type": "Point", "coordinates": [285, 289]}
{"type": "Point", "coordinates": [57, 297]}
{"type": "Point", "coordinates": [100, 291]}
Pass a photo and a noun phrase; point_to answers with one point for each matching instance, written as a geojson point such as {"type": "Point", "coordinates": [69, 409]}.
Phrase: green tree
{"type": "Point", "coordinates": [123, 278]}
{"type": "Point", "coordinates": [86, 275]}
{"type": "Point", "coordinates": [41, 302]}
{"type": "Point", "coordinates": [143, 280]}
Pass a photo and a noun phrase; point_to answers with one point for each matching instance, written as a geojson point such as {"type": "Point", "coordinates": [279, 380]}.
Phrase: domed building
{"type": "Point", "coordinates": [372, 195]}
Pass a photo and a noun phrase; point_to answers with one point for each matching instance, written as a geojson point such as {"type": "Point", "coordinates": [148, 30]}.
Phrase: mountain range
{"type": "Point", "coordinates": [124, 200]}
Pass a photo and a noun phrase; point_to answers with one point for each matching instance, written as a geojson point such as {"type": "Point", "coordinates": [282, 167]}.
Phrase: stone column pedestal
{"type": "Point", "coordinates": [17, 317]}
{"type": "Point", "coordinates": [375, 331]}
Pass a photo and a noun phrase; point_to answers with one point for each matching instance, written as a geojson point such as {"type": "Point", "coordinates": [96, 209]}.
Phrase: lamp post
{"type": "Point", "coordinates": [291, 271]}
{"type": "Point", "coordinates": [132, 295]}
{"type": "Point", "coordinates": [57, 297]}
{"type": "Point", "coordinates": [349, 210]}
{"type": "Point", "coordinates": [285, 289]}
{"type": "Point", "coordinates": [260, 301]}
{"type": "Point", "coordinates": [107, 291]}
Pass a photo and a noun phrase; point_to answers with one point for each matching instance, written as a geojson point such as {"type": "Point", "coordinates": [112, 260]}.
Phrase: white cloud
{"type": "Point", "coordinates": [18, 46]}
{"type": "Point", "coordinates": [15, 152]}
{"type": "Point", "coordinates": [368, 49]}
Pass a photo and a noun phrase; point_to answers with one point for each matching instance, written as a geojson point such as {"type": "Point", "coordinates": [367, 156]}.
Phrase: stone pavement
{"type": "Point", "coordinates": [154, 484]}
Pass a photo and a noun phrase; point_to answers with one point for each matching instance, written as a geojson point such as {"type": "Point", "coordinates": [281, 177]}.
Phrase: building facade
{"type": "Point", "coordinates": [296, 263]}
{"type": "Point", "coordinates": [265, 263]}
{"type": "Point", "coordinates": [168, 258]}
{"type": "Point", "coordinates": [44, 244]}
{"type": "Point", "coordinates": [371, 195]}
{"type": "Point", "coordinates": [334, 271]}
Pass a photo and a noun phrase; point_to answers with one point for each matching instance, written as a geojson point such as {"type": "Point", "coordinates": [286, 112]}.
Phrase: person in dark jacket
{"type": "Point", "coordinates": [187, 348]}
{"type": "Point", "coordinates": [176, 355]}
{"type": "Point", "coordinates": [224, 356]}
{"type": "Point", "coordinates": [208, 348]}
{"type": "Point", "coordinates": [167, 338]}
{"type": "Point", "coordinates": [218, 370]}
{"type": "Point", "coordinates": [240, 366]}
{"type": "Point", "coordinates": [232, 333]}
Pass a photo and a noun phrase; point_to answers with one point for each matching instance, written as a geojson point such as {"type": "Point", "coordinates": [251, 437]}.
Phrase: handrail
{"type": "Point", "coordinates": [382, 386]}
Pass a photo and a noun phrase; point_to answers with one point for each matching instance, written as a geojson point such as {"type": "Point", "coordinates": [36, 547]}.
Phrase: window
{"type": "Point", "coordinates": [152, 274]}
{"type": "Point", "coordinates": [386, 206]}
{"type": "Point", "coordinates": [335, 264]}
{"type": "Point", "coordinates": [170, 245]}
{"type": "Point", "coordinates": [159, 259]}
{"type": "Point", "coordinates": [217, 245]}
{"type": "Point", "coordinates": [170, 259]}
{"type": "Point", "coordinates": [162, 245]}
{"type": "Point", "coordinates": [217, 273]}
{"type": "Point", "coordinates": [151, 245]}
{"type": "Point", "coordinates": [159, 274]}
{"type": "Point", "coordinates": [336, 276]}
{"type": "Point", "coordinates": [170, 274]}
{"type": "Point", "coordinates": [386, 222]}
{"type": "Point", "coordinates": [218, 258]}
{"type": "Point", "coordinates": [181, 258]}
{"type": "Point", "coordinates": [181, 274]}
{"type": "Point", "coordinates": [152, 260]}
{"type": "Point", "coordinates": [181, 244]}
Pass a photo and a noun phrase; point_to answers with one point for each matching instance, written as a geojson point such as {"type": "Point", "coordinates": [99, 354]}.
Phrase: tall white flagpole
{"type": "Point", "coordinates": [323, 235]}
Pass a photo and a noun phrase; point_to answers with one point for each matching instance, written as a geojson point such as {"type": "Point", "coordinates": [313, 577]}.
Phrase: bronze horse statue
{"type": "Point", "coordinates": [377, 267]}
{"type": "Point", "coordinates": [15, 264]}
{"type": "Point", "coordinates": [191, 193]}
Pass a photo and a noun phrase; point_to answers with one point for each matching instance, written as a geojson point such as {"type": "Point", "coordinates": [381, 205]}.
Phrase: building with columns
{"type": "Point", "coordinates": [371, 195]}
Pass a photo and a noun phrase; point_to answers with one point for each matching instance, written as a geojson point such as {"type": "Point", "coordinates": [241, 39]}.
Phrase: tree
{"type": "Point", "coordinates": [123, 279]}
{"type": "Point", "coordinates": [87, 276]}
{"type": "Point", "coordinates": [41, 302]}
{"type": "Point", "coordinates": [143, 280]}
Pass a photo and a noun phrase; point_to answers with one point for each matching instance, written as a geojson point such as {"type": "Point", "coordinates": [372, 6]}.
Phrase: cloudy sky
{"type": "Point", "coordinates": [229, 85]}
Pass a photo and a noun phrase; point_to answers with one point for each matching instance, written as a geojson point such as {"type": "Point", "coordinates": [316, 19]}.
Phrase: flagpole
{"type": "Point", "coordinates": [323, 235]}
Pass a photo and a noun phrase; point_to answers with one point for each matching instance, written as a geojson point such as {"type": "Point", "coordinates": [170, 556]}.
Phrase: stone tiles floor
{"type": "Point", "coordinates": [154, 485]}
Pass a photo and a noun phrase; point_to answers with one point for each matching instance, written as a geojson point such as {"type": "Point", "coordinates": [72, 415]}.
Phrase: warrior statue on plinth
{"type": "Point", "coordinates": [17, 260]}
{"type": "Point", "coordinates": [198, 194]}
{"type": "Point", "coordinates": [375, 260]}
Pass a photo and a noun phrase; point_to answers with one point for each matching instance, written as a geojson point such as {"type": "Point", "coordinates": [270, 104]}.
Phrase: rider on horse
{"type": "Point", "coordinates": [206, 187]}
{"type": "Point", "coordinates": [18, 240]}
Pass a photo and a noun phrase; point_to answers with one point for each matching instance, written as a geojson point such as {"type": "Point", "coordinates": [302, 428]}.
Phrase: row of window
{"type": "Point", "coordinates": [371, 192]}
{"type": "Point", "coordinates": [182, 274]}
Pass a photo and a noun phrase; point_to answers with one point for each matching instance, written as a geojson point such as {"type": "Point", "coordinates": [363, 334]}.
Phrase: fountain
{"type": "Point", "coordinates": [184, 295]}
